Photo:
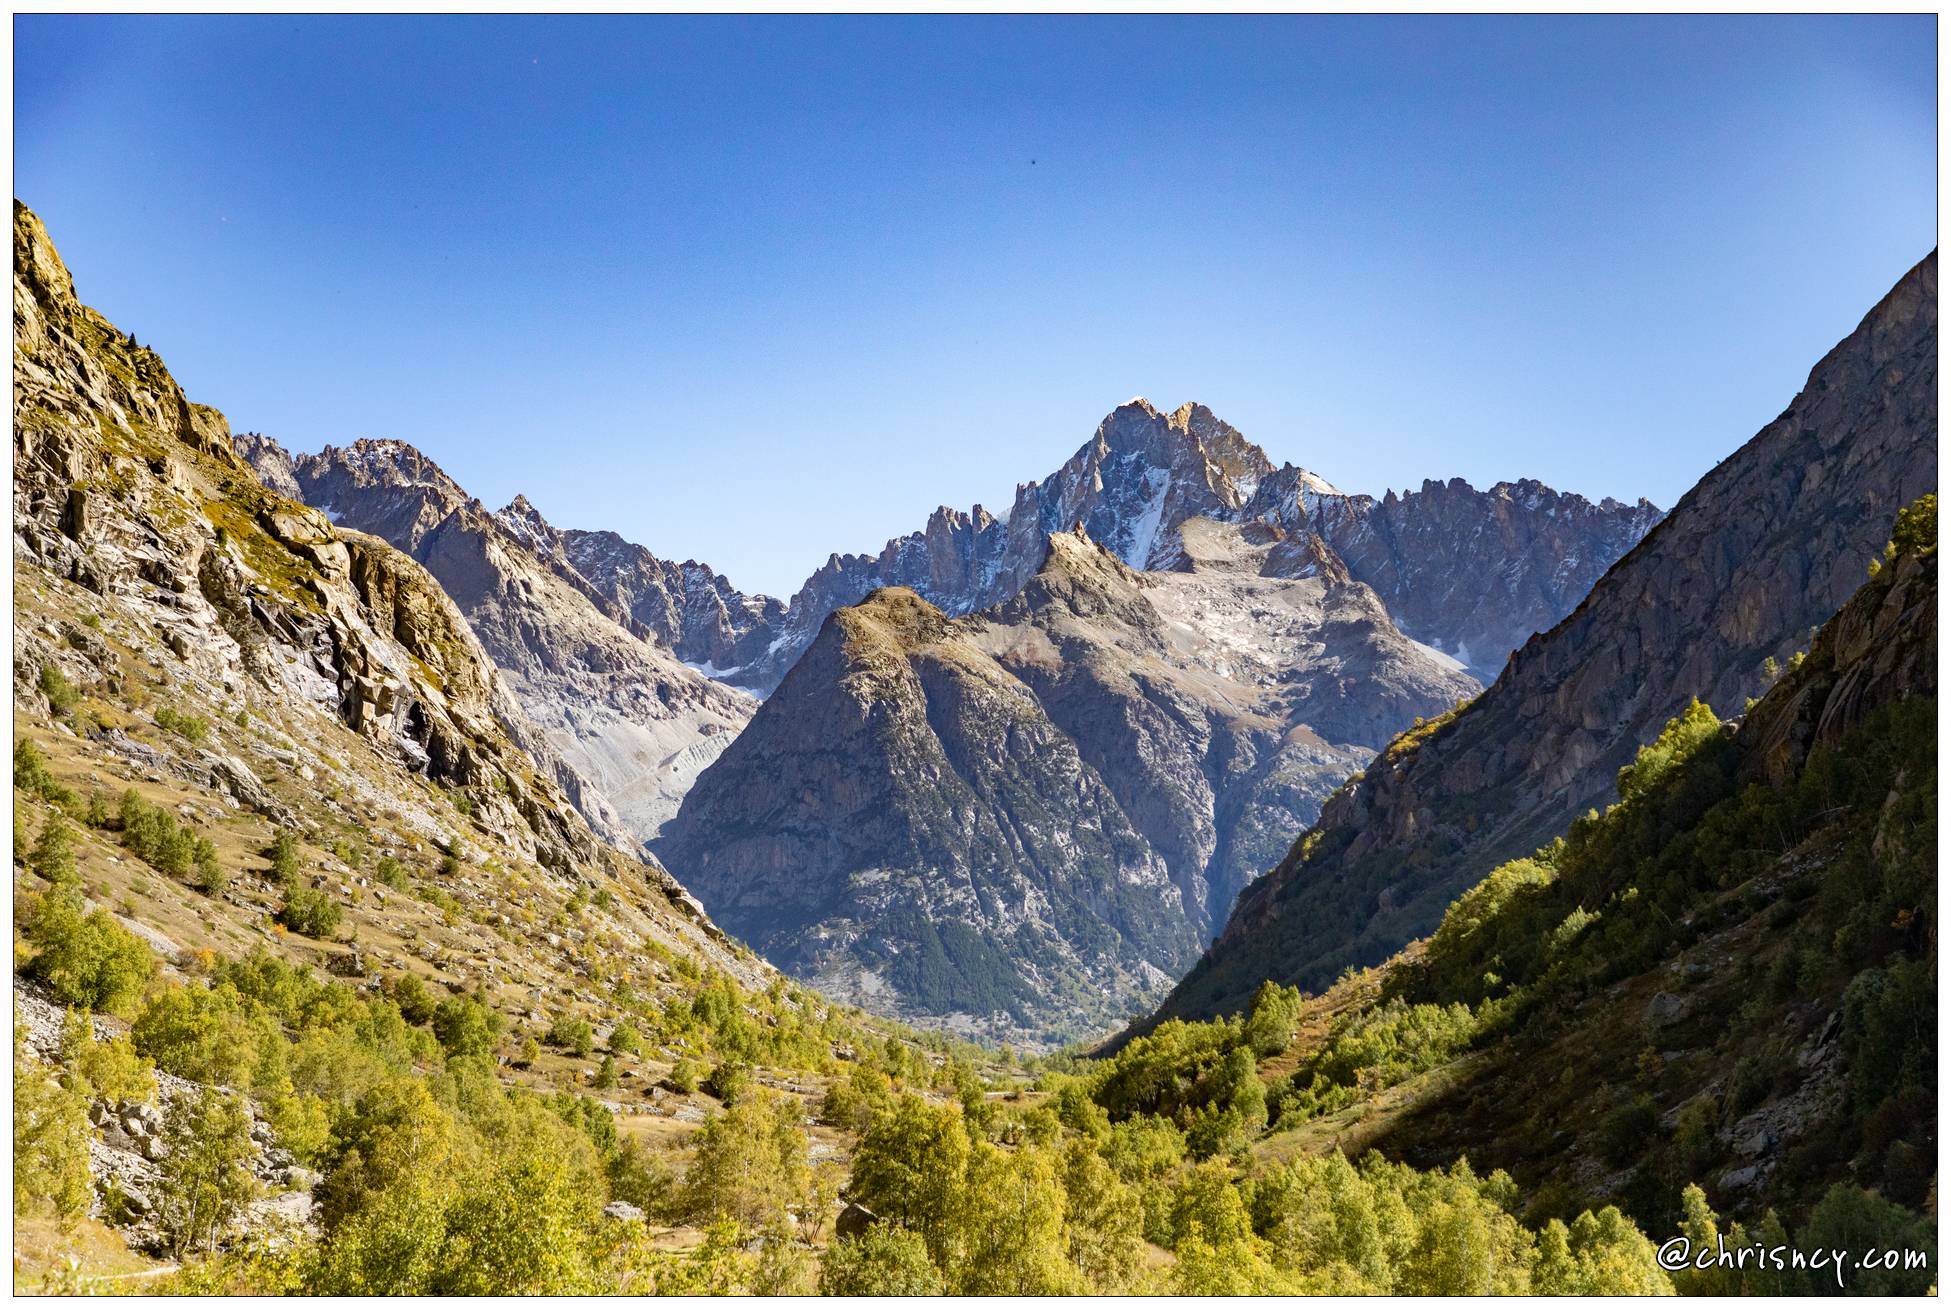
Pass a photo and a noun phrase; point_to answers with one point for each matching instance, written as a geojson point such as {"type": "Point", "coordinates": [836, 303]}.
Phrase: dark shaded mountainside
{"type": "Point", "coordinates": [1728, 586]}
{"type": "Point", "coordinates": [1023, 820]}
{"type": "Point", "coordinates": [634, 724]}
{"type": "Point", "coordinates": [1727, 979]}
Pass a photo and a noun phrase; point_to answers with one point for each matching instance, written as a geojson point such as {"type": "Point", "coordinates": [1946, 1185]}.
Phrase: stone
{"type": "Point", "coordinates": [1666, 1009]}
{"type": "Point", "coordinates": [854, 1220]}
{"type": "Point", "coordinates": [624, 1211]}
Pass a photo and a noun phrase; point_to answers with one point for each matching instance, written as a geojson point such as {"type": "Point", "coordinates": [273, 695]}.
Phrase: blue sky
{"type": "Point", "coordinates": [754, 290]}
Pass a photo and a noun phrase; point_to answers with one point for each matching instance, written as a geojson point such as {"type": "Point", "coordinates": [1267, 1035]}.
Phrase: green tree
{"type": "Point", "coordinates": [30, 768]}
{"type": "Point", "coordinates": [53, 856]}
{"type": "Point", "coordinates": [205, 1175]}
{"type": "Point", "coordinates": [1207, 1201]}
{"type": "Point", "coordinates": [50, 1141]}
{"type": "Point", "coordinates": [410, 993]}
{"type": "Point", "coordinates": [625, 1039]}
{"type": "Point", "coordinates": [1104, 1222]}
{"type": "Point", "coordinates": [283, 854]}
{"type": "Point", "coordinates": [208, 1035]}
{"type": "Point", "coordinates": [910, 1168]}
{"type": "Point", "coordinates": [110, 1070]}
{"type": "Point", "coordinates": [886, 1260]}
{"type": "Point", "coordinates": [89, 959]}
{"type": "Point", "coordinates": [1013, 1243]}
{"type": "Point", "coordinates": [641, 1177]}
{"type": "Point", "coordinates": [1848, 1218]}
{"type": "Point", "coordinates": [573, 1034]}
{"type": "Point", "coordinates": [1272, 1022]}
{"type": "Point", "coordinates": [686, 1075]}
{"type": "Point", "coordinates": [310, 911]}
{"type": "Point", "coordinates": [465, 1027]}
{"type": "Point", "coordinates": [748, 1164]}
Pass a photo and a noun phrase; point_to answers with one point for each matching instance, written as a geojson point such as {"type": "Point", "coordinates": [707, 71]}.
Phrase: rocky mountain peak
{"type": "Point", "coordinates": [386, 462]}
{"type": "Point", "coordinates": [525, 523]}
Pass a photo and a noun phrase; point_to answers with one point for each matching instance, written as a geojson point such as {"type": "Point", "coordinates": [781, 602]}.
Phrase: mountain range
{"type": "Point", "coordinates": [1289, 669]}
{"type": "Point", "coordinates": [333, 790]}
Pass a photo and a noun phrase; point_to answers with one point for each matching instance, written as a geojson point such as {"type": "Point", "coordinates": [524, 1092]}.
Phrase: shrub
{"type": "Point", "coordinates": [625, 1040]}
{"type": "Point", "coordinates": [189, 727]}
{"type": "Point", "coordinates": [1626, 1129]}
{"type": "Point", "coordinates": [87, 960]}
{"type": "Point", "coordinates": [310, 911]}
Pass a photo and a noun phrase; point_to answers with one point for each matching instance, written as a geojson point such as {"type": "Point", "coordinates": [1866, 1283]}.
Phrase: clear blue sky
{"type": "Point", "coordinates": [754, 290]}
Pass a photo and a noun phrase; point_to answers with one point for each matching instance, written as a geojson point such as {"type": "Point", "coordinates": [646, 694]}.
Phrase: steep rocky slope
{"type": "Point", "coordinates": [141, 535]}
{"type": "Point", "coordinates": [1025, 820]}
{"type": "Point", "coordinates": [1762, 550]}
{"type": "Point", "coordinates": [1473, 573]}
{"type": "Point", "coordinates": [634, 725]}
{"type": "Point", "coordinates": [697, 613]}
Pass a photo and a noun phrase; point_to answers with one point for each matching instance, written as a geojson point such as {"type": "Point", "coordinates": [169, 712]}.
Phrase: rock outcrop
{"type": "Point", "coordinates": [1024, 821]}
{"type": "Point", "coordinates": [1731, 583]}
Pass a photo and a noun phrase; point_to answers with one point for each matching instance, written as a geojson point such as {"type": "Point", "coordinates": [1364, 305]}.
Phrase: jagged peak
{"type": "Point", "coordinates": [387, 461]}
{"type": "Point", "coordinates": [1074, 551]}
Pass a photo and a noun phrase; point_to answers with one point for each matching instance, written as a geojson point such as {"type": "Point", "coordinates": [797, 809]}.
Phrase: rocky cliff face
{"type": "Point", "coordinates": [1472, 573]}
{"type": "Point", "coordinates": [695, 612]}
{"type": "Point", "coordinates": [1023, 821]}
{"type": "Point", "coordinates": [1762, 550]}
{"type": "Point", "coordinates": [634, 725]}
{"type": "Point", "coordinates": [136, 520]}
